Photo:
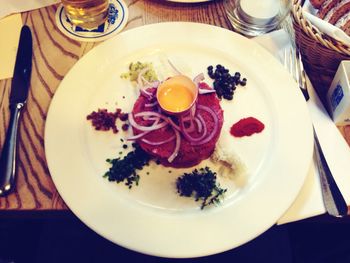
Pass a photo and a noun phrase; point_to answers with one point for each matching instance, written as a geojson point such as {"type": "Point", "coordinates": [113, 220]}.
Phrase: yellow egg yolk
{"type": "Point", "coordinates": [175, 97]}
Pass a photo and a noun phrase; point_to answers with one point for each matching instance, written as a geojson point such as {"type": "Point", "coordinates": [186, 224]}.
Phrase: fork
{"type": "Point", "coordinates": [332, 198]}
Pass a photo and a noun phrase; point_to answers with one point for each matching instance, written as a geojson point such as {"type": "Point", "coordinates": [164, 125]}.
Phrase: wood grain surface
{"type": "Point", "coordinates": [54, 55]}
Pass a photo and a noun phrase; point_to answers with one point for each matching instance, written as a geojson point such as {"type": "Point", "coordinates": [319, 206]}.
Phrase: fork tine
{"type": "Point", "coordinates": [296, 67]}
{"type": "Point", "coordinates": [302, 81]}
{"type": "Point", "coordinates": [293, 63]}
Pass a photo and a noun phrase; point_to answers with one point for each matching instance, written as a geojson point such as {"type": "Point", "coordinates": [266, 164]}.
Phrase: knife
{"type": "Point", "coordinates": [18, 97]}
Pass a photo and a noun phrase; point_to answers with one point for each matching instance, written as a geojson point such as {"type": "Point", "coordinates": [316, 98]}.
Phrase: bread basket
{"type": "Point", "coordinates": [321, 54]}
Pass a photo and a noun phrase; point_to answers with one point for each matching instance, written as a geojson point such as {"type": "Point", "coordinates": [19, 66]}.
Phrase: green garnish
{"type": "Point", "coordinates": [200, 184]}
{"type": "Point", "coordinates": [126, 169]}
{"type": "Point", "coordinates": [135, 68]}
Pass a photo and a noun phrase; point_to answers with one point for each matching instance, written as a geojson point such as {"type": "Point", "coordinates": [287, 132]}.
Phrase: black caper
{"type": "Point", "coordinates": [224, 83]}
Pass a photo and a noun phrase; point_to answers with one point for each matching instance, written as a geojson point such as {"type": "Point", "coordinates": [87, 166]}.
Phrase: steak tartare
{"type": "Point", "coordinates": [191, 150]}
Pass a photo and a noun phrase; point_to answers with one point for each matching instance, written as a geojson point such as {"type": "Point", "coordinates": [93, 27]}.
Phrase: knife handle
{"type": "Point", "coordinates": [332, 198]}
{"type": "Point", "coordinates": [9, 151]}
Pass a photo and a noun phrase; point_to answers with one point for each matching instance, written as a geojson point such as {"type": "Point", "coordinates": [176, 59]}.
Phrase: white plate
{"type": "Point", "coordinates": [189, 1]}
{"type": "Point", "coordinates": [151, 218]}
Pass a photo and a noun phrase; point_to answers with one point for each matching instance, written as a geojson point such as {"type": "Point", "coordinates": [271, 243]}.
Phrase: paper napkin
{"type": "Point", "coordinates": [17, 6]}
{"type": "Point", "coordinates": [10, 29]}
{"type": "Point", "coordinates": [309, 201]}
{"type": "Point", "coordinates": [310, 14]}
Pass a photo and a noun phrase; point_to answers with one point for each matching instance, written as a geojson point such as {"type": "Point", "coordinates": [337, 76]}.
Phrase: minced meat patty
{"type": "Point", "coordinates": [189, 155]}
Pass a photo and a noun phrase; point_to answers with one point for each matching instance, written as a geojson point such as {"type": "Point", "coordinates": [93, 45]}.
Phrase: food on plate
{"type": "Point", "coordinates": [178, 141]}
{"type": "Point", "coordinates": [102, 120]}
{"type": "Point", "coordinates": [139, 69]}
{"type": "Point", "coordinates": [336, 12]}
{"type": "Point", "coordinates": [246, 127]}
{"type": "Point", "coordinates": [125, 169]}
{"type": "Point", "coordinates": [177, 94]}
{"type": "Point", "coordinates": [200, 184]}
{"type": "Point", "coordinates": [228, 156]}
{"type": "Point", "coordinates": [177, 122]}
{"type": "Point", "coordinates": [225, 83]}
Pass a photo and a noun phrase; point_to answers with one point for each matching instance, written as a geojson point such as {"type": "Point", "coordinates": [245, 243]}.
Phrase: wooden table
{"type": "Point", "coordinates": [54, 55]}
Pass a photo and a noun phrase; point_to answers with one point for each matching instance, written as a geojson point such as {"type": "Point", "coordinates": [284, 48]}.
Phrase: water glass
{"type": "Point", "coordinates": [256, 17]}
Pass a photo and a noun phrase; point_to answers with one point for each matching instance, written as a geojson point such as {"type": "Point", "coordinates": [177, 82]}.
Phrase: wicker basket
{"type": "Point", "coordinates": [321, 54]}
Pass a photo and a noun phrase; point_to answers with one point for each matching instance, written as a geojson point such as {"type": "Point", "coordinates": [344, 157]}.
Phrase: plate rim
{"type": "Point", "coordinates": [154, 27]}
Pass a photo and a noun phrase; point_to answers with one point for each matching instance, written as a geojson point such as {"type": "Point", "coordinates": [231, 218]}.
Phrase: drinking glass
{"type": "Point", "coordinates": [87, 14]}
{"type": "Point", "coordinates": [256, 17]}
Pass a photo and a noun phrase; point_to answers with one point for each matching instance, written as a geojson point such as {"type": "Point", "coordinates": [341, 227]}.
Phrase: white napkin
{"type": "Point", "coordinates": [8, 7]}
{"type": "Point", "coordinates": [309, 201]}
{"type": "Point", "coordinates": [10, 29]}
{"type": "Point", "coordinates": [309, 13]}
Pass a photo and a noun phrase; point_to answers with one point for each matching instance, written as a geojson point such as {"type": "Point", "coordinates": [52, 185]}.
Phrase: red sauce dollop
{"type": "Point", "coordinates": [246, 127]}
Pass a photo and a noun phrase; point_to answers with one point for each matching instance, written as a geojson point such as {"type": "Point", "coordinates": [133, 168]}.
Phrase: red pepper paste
{"type": "Point", "coordinates": [246, 127]}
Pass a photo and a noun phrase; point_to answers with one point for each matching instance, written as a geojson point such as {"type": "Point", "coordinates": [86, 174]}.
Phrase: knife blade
{"type": "Point", "coordinates": [18, 97]}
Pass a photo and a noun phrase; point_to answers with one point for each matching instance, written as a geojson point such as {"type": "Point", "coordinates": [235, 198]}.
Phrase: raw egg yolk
{"type": "Point", "coordinates": [175, 97]}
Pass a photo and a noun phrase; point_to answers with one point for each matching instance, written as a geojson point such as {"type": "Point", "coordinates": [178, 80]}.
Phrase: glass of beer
{"type": "Point", "coordinates": [86, 14]}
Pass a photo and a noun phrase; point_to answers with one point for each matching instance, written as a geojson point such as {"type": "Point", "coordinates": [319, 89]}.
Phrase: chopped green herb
{"type": "Point", "coordinates": [135, 69]}
{"type": "Point", "coordinates": [126, 169]}
{"type": "Point", "coordinates": [200, 184]}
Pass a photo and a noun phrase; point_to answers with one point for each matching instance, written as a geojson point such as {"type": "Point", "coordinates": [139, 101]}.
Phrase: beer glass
{"type": "Point", "coordinates": [86, 14]}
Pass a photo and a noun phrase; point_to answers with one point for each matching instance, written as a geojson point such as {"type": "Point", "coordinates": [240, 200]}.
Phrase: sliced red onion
{"type": "Point", "coordinates": [189, 118]}
{"type": "Point", "coordinates": [198, 78]}
{"type": "Point", "coordinates": [144, 80]}
{"type": "Point", "coordinates": [205, 91]}
{"type": "Point", "coordinates": [199, 123]}
{"type": "Point", "coordinates": [146, 94]}
{"type": "Point", "coordinates": [186, 118]}
{"type": "Point", "coordinates": [172, 123]}
{"type": "Point", "coordinates": [154, 126]}
{"type": "Point", "coordinates": [151, 118]}
{"type": "Point", "coordinates": [160, 142]}
{"type": "Point", "coordinates": [193, 110]}
{"type": "Point", "coordinates": [138, 136]}
{"type": "Point", "coordinates": [189, 137]}
{"type": "Point", "coordinates": [139, 77]}
{"type": "Point", "coordinates": [216, 124]}
{"type": "Point", "coordinates": [151, 114]}
{"type": "Point", "coordinates": [191, 127]}
{"type": "Point", "coordinates": [153, 84]}
{"type": "Point", "coordinates": [151, 104]}
{"type": "Point", "coordinates": [177, 146]}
